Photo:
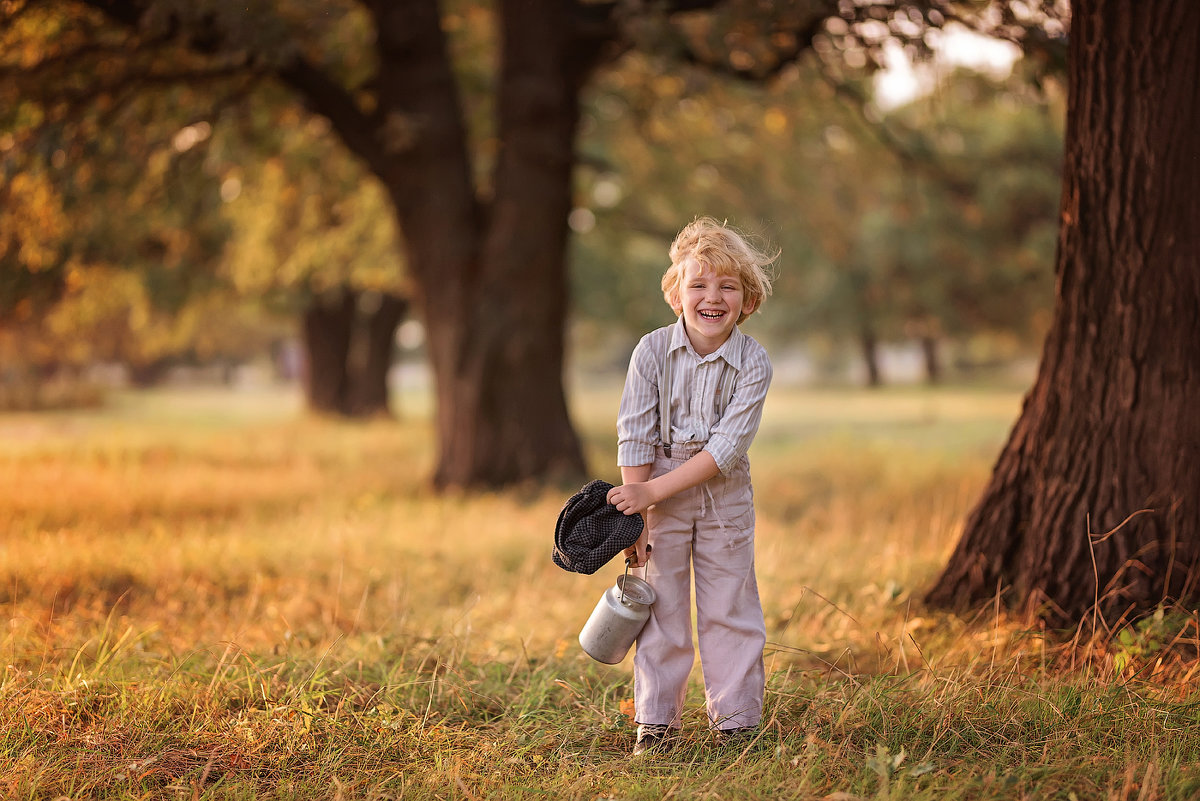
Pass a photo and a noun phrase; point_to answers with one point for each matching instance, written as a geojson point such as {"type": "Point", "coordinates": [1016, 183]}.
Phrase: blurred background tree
{"type": "Point", "coordinates": [189, 226]}
{"type": "Point", "coordinates": [932, 223]}
{"type": "Point", "coordinates": [312, 238]}
{"type": "Point", "coordinates": [461, 119]}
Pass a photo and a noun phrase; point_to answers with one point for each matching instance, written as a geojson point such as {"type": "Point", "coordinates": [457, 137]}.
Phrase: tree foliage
{"type": "Point", "coordinates": [934, 221]}
{"type": "Point", "coordinates": [146, 225]}
{"type": "Point", "coordinates": [481, 190]}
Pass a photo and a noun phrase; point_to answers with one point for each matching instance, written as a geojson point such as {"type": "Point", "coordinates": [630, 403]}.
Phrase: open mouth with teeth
{"type": "Point", "coordinates": [712, 314]}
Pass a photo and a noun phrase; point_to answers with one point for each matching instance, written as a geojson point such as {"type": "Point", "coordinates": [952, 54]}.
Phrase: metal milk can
{"type": "Point", "coordinates": [617, 619]}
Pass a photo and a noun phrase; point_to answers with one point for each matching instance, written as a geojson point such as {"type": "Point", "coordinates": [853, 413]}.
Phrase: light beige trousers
{"type": "Point", "coordinates": [709, 531]}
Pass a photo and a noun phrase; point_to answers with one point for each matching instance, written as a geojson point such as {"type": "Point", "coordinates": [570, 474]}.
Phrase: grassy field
{"type": "Point", "coordinates": [210, 595]}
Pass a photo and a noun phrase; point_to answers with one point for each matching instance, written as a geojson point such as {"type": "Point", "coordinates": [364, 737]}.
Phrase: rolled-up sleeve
{"type": "Point", "coordinates": [637, 419]}
{"type": "Point", "coordinates": [733, 433]}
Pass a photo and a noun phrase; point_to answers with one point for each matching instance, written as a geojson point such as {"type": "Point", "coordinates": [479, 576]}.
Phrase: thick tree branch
{"type": "Point", "coordinates": [144, 75]}
{"type": "Point", "coordinates": [324, 96]}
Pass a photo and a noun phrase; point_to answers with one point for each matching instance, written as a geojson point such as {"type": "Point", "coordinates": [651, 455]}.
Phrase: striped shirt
{"type": "Point", "coordinates": [694, 388]}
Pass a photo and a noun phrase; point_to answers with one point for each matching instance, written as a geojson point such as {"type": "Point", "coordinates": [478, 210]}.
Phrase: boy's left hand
{"type": "Point", "coordinates": [638, 554]}
{"type": "Point", "coordinates": [632, 498]}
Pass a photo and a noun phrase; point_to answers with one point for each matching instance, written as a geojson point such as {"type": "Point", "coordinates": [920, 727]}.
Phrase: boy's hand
{"type": "Point", "coordinates": [639, 553]}
{"type": "Point", "coordinates": [633, 498]}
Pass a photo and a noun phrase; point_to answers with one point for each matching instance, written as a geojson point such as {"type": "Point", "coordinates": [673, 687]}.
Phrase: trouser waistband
{"type": "Point", "coordinates": [679, 451]}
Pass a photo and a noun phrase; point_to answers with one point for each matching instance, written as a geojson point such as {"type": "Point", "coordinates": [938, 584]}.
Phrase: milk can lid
{"type": "Point", "coordinates": [635, 590]}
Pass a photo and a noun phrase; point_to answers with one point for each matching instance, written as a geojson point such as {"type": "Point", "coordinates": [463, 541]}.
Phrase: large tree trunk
{"type": "Point", "coordinates": [492, 276]}
{"type": "Point", "coordinates": [1094, 500]}
{"type": "Point", "coordinates": [506, 419]}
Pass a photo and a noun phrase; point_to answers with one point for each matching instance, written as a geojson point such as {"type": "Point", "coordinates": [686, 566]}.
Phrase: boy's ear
{"type": "Point", "coordinates": [672, 298]}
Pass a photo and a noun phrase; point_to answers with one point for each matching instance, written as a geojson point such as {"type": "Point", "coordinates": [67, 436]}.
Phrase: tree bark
{"type": "Point", "coordinates": [1093, 502]}
{"type": "Point", "coordinates": [328, 328]}
{"type": "Point", "coordinates": [492, 275]}
{"type": "Point", "coordinates": [375, 346]}
{"type": "Point", "coordinates": [505, 419]}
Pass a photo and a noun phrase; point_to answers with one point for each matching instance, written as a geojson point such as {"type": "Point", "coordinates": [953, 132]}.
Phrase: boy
{"type": "Point", "coordinates": [682, 454]}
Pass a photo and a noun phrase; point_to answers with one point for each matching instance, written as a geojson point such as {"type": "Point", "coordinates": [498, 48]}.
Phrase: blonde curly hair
{"type": "Point", "coordinates": [725, 251]}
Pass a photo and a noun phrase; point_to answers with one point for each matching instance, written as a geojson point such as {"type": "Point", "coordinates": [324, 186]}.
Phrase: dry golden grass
{"type": "Point", "coordinates": [212, 595]}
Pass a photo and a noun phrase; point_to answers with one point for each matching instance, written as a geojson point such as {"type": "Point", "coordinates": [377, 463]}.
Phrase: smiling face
{"type": "Point", "coordinates": [711, 305]}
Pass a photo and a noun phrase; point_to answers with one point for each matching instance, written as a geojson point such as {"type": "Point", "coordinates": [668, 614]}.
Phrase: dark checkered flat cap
{"type": "Point", "coordinates": [591, 531]}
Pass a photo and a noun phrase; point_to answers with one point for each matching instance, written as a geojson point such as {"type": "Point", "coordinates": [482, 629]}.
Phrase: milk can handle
{"type": "Point", "coordinates": [649, 548]}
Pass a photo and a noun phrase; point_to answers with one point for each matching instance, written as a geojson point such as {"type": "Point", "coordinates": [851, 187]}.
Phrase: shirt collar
{"type": "Point", "coordinates": [730, 350]}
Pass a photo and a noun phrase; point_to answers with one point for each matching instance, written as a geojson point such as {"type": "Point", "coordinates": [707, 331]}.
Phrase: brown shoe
{"type": "Point", "coordinates": [737, 737]}
{"type": "Point", "coordinates": [653, 738]}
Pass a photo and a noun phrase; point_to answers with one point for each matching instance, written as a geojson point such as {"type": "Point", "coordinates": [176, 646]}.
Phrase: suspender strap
{"type": "Point", "coordinates": [664, 403]}
{"type": "Point", "coordinates": [724, 390]}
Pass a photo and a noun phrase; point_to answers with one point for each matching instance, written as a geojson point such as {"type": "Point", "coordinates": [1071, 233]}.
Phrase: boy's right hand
{"type": "Point", "coordinates": [633, 497]}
